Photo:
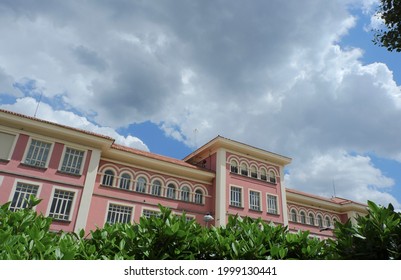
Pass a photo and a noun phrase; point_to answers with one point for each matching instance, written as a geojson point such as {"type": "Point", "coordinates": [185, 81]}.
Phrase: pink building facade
{"type": "Point", "coordinates": [86, 180]}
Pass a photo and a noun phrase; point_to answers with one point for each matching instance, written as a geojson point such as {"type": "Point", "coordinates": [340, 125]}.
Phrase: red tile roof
{"type": "Point", "coordinates": [337, 200]}
{"type": "Point", "coordinates": [156, 156]}
{"type": "Point", "coordinates": [56, 124]}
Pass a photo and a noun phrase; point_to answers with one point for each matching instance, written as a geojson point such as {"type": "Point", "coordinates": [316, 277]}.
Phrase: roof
{"type": "Point", "coordinates": [334, 200]}
{"type": "Point", "coordinates": [55, 124]}
{"type": "Point", "coordinates": [230, 144]}
{"type": "Point", "coordinates": [156, 156]}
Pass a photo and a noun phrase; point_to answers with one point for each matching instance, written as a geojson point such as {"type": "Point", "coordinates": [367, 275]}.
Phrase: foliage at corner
{"type": "Point", "coordinates": [376, 236]}
{"type": "Point", "coordinates": [390, 37]}
{"type": "Point", "coordinates": [25, 235]}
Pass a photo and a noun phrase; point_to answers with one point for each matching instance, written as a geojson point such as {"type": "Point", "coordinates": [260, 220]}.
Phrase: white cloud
{"type": "Point", "coordinates": [46, 112]}
{"type": "Point", "coordinates": [341, 174]}
{"type": "Point", "coordinates": [267, 73]}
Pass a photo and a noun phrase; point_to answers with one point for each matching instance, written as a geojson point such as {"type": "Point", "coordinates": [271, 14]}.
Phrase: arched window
{"type": "Point", "coordinates": [294, 215]}
{"type": "Point", "coordinates": [125, 181]}
{"type": "Point", "coordinates": [254, 172]}
{"type": "Point", "coordinates": [198, 197]}
{"type": "Point", "coordinates": [234, 166]}
{"type": "Point", "coordinates": [311, 219]}
{"type": "Point", "coordinates": [108, 178]}
{"type": "Point", "coordinates": [263, 174]}
{"type": "Point", "coordinates": [303, 217]}
{"type": "Point", "coordinates": [328, 222]}
{"type": "Point", "coordinates": [319, 221]}
{"type": "Point", "coordinates": [141, 185]}
{"type": "Point", "coordinates": [272, 176]}
{"type": "Point", "coordinates": [156, 188]}
{"type": "Point", "coordinates": [244, 169]}
{"type": "Point", "coordinates": [185, 193]}
{"type": "Point", "coordinates": [171, 191]}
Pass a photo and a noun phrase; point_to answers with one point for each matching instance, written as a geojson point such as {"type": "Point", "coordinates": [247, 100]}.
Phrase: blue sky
{"type": "Point", "coordinates": [298, 78]}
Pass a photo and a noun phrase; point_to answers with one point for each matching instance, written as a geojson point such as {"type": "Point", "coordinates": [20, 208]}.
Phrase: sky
{"type": "Point", "coordinates": [298, 78]}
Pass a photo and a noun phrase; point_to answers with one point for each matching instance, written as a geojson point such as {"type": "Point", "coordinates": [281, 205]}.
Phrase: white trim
{"type": "Point", "coordinates": [277, 204]}
{"type": "Point", "coordinates": [221, 201]}
{"type": "Point", "coordinates": [241, 194]}
{"type": "Point", "coordinates": [118, 203]}
{"type": "Point", "coordinates": [260, 200]}
{"type": "Point", "coordinates": [86, 196]}
{"type": "Point", "coordinates": [149, 209]}
{"type": "Point", "coordinates": [28, 146]}
{"type": "Point", "coordinates": [283, 198]}
{"type": "Point", "coordinates": [16, 181]}
{"type": "Point", "coordinates": [72, 204]}
{"type": "Point", "coordinates": [63, 156]}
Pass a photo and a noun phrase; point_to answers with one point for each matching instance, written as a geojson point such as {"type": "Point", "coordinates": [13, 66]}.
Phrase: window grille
{"type": "Point", "coordinates": [21, 195]}
{"type": "Point", "coordinates": [38, 153]}
{"type": "Point", "coordinates": [72, 161]}
{"type": "Point", "coordinates": [61, 205]}
{"type": "Point", "coordinates": [119, 214]}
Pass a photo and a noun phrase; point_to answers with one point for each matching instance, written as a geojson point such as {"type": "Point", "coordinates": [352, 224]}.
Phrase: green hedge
{"type": "Point", "coordinates": [24, 234]}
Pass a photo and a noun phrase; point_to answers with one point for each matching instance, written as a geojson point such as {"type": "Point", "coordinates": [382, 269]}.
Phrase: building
{"type": "Point", "coordinates": [86, 180]}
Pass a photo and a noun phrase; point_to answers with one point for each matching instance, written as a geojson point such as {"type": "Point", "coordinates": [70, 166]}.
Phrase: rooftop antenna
{"type": "Point", "coordinates": [37, 106]}
{"type": "Point", "coordinates": [334, 189]}
{"type": "Point", "coordinates": [195, 134]}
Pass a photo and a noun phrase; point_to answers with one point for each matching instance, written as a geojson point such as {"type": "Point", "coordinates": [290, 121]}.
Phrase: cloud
{"type": "Point", "coordinates": [268, 73]}
{"type": "Point", "coordinates": [341, 174]}
{"type": "Point", "coordinates": [46, 112]}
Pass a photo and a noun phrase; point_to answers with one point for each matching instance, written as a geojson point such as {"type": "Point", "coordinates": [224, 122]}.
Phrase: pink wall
{"type": "Point", "coordinates": [104, 194]}
{"type": "Point", "coordinates": [48, 178]}
{"type": "Point", "coordinates": [247, 183]}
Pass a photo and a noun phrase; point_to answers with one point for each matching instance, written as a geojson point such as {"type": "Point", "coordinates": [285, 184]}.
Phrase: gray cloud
{"type": "Point", "coordinates": [268, 73]}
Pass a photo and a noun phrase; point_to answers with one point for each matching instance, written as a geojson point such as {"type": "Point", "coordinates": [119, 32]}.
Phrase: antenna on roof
{"type": "Point", "coordinates": [195, 134]}
{"type": "Point", "coordinates": [334, 189]}
{"type": "Point", "coordinates": [37, 106]}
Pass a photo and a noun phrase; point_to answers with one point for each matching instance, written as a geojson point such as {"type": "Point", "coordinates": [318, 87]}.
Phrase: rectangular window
{"type": "Point", "coordinates": [272, 204]}
{"type": "Point", "coordinates": [254, 200]}
{"type": "Point", "coordinates": [21, 195]}
{"type": "Point", "coordinates": [7, 142]}
{"type": "Point", "coordinates": [149, 213]}
{"type": "Point", "coordinates": [119, 214]}
{"type": "Point", "coordinates": [72, 161]}
{"type": "Point", "coordinates": [61, 205]}
{"type": "Point", "coordinates": [38, 153]}
{"type": "Point", "coordinates": [236, 196]}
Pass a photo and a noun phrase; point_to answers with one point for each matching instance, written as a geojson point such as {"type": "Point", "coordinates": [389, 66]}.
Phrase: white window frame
{"type": "Point", "coordinates": [196, 196]}
{"type": "Point", "coordinates": [123, 182]}
{"type": "Point", "coordinates": [28, 147]}
{"type": "Point", "coordinates": [277, 212]}
{"type": "Point", "coordinates": [320, 220]}
{"type": "Point", "coordinates": [185, 194]}
{"type": "Point", "coordinates": [292, 211]}
{"type": "Point", "coordinates": [39, 185]}
{"type": "Point", "coordinates": [155, 212]}
{"type": "Point", "coordinates": [241, 197]}
{"type": "Point", "coordinates": [311, 219]}
{"type": "Point", "coordinates": [64, 155]}
{"type": "Point", "coordinates": [121, 205]}
{"type": "Point", "coordinates": [250, 191]}
{"type": "Point", "coordinates": [234, 168]}
{"type": "Point", "coordinates": [141, 187]}
{"type": "Point", "coordinates": [71, 214]}
{"type": "Point", "coordinates": [256, 172]}
{"type": "Point", "coordinates": [153, 186]}
{"type": "Point", "coordinates": [108, 176]}
{"type": "Point", "coordinates": [302, 218]}
{"type": "Point", "coordinates": [189, 217]}
{"type": "Point", "coordinates": [172, 191]}
{"type": "Point", "coordinates": [12, 148]}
